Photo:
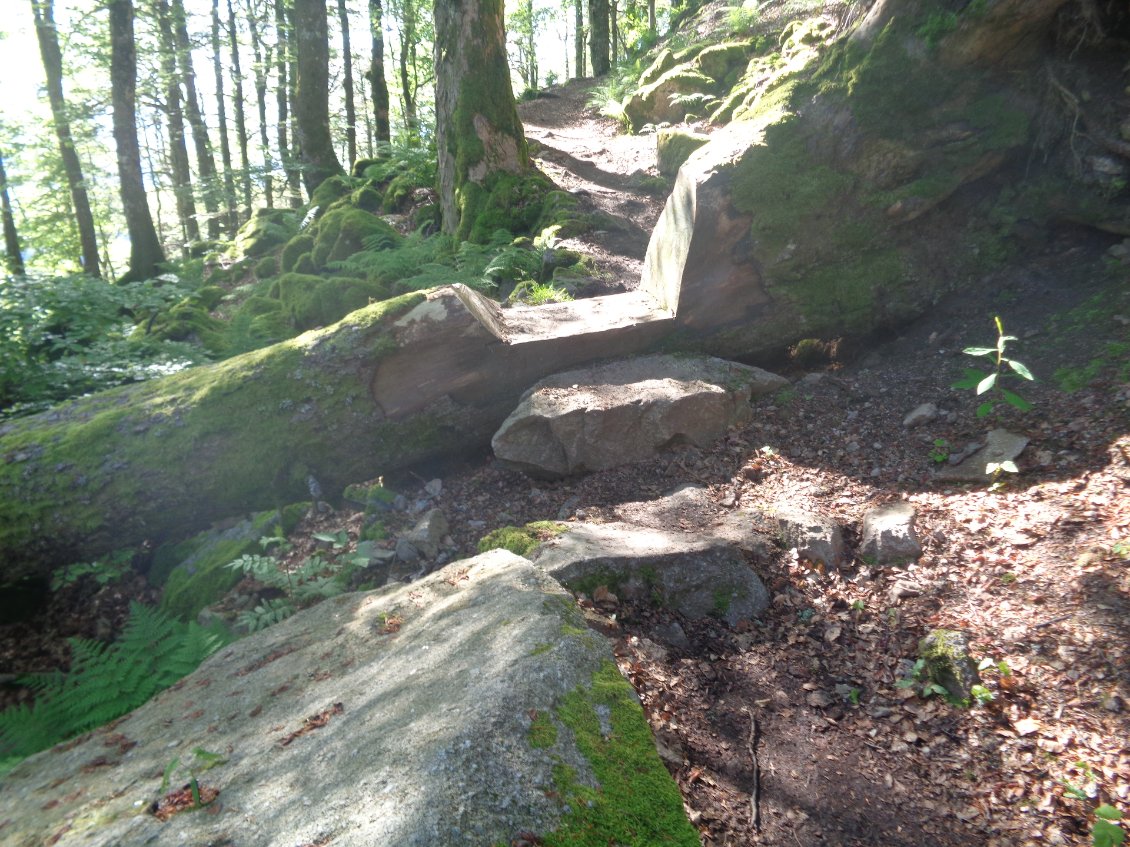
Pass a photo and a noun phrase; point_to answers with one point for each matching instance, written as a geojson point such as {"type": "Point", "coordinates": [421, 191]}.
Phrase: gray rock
{"type": "Point", "coordinates": [434, 487]}
{"type": "Point", "coordinates": [427, 696]}
{"type": "Point", "coordinates": [673, 635]}
{"type": "Point", "coordinates": [406, 551]}
{"type": "Point", "coordinates": [815, 537]}
{"type": "Point", "coordinates": [1000, 446]}
{"type": "Point", "coordinates": [698, 575]}
{"type": "Point", "coordinates": [921, 414]}
{"type": "Point", "coordinates": [427, 535]}
{"type": "Point", "coordinates": [624, 412]}
{"type": "Point", "coordinates": [948, 663]}
{"type": "Point", "coordinates": [889, 536]}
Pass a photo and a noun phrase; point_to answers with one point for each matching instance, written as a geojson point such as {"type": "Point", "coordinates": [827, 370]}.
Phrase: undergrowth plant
{"type": "Point", "coordinates": [991, 382]}
{"type": "Point", "coordinates": [105, 681]}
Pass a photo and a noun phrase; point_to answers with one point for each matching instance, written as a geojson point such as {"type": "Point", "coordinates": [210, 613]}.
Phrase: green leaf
{"type": "Point", "coordinates": [987, 383]}
{"type": "Point", "coordinates": [984, 408]}
{"type": "Point", "coordinates": [1074, 791]}
{"type": "Point", "coordinates": [169, 768]}
{"type": "Point", "coordinates": [1020, 368]}
{"type": "Point", "coordinates": [1014, 399]}
{"type": "Point", "coordinates": [980, 351]}
{"type": "Point", "coordinates": [1108, 812]}
{"type": "Point", "coordinates": [1106, 834]}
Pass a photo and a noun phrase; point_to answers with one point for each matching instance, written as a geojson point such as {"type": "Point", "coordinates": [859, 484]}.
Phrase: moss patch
{"type": "Point", "coordinates": [636, 802]}
{"type": "Point", "coordinates": [521, 541]}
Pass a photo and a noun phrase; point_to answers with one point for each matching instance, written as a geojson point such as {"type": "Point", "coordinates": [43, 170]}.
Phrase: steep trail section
{"type": "Point", "coordinates": [608, 171]}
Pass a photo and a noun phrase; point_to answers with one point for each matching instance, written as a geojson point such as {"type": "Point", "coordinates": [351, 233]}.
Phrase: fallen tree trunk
{"type": "Point", "coordinates": [417, 377]}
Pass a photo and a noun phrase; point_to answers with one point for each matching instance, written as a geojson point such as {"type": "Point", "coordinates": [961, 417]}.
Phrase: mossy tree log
{"type": "Point", "coordinates": [417, 377]}
{"type": "Point", "coordinates": [479, 135]}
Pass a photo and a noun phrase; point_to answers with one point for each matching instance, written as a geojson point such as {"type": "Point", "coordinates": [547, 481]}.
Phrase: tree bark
{"type": "Point", "coordinates": [13, 255]}
{"type": "Point", "coordinates": [283, 83]}
{"type": "Point", "coordinates": [205, 160]}
{"type": "Point", "coordinates": [311, 100]}
{"type": "Point", "coordinates": [376, 74]}
{"type": "Point", "coordinates": [579, 36]}
{"type": "Point", "coordinates": [347, 70]}
{"type": "Point", "coordinates": [145, 247]}
{"type": "Point", "coordinates": [478, 134]}
{"type": "Point", "coordinates": [231, 216]}
{"type": "Point", "coordinates": [407, 60]}
{"type": "Point", "coordinates": [44, 13]}
{"type": "Point", "coordinates": [253, 24]}
{"type": "Point", "coordinates": [240, 116]}
{"type": "Point", "coordinates": [178, 150]}
{"type": "Point", "coordinates": [598, 36]}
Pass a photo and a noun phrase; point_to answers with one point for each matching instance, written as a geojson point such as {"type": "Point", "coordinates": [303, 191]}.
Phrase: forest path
{"type": "Point", "coordinates": [588, 154]}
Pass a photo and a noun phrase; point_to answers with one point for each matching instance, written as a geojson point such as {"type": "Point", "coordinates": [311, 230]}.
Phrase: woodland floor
{"type": "Point", "coordinates": [794, 731]}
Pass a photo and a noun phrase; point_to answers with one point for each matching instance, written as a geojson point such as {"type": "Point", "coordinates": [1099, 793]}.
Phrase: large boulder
{"type": "Point", "coordinates": [815, 215]}
{"type": "Point", "coordinates": [666, 99]}
{"type": "Point", "coordinates": [465, 709]}
{"type": "Point", "coordinates": [604, 416]}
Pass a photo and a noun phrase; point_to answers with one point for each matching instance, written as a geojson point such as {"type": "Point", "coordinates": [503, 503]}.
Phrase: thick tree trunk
{"type": "Point", "coordinates": [311, 101]}
{"type": "Point", "coordinates": [145, 247]}
{"type": "Point", "coordinates": [205, 161]}
{"type": "Point", "coordinates": [240, 116]}
{"type": "Point", "coordinates": [478, 133]}
{"type": "Point", "coordinates": [13, 255]}
{"type": "Point", "coordinates": [231, 216]}
{"type": "Point", "coordinates": [598, 36]}
{"type": "Point", "coordinates": [347, 82]}
{"type": "Point", "coordinates": [44, 13]}
{"type": "Point", "coordinates": [376, 73]}
{"type": "Point", "coordinates": [178, 150]}
{"type": "Point", "coordinates": [399, 382]}
{"type": "Point", "coordinates": [253, 24]}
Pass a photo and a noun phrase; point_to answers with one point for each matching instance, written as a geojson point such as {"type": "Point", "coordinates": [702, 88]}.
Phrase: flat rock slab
{"type": "Point", "coordinates": [404, 716]}
{"type": "Point", "coordinates": [1000, 446]}
{"type": "Point", "coordinates": [697, 575]}
{"type": "Point", "coordinates": [610, 415]}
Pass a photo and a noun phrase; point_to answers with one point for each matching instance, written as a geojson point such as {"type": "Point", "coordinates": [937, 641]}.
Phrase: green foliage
{"type": "Point", "coordinates": [521, 541]}
{"type": "Point", "coordinates": [982, 382]}
{"type": "Point", "coordinates": [919, 677]}
{"type": "Point", "coordinates": [105, 681]}
{"type": "Point", "coordinates": [937, 26]}
{"type": "Point", "coordinates": [202, 760]}
{"type": "Point", "coordinates": [940, 452]}
{"type": "Point", "coordinates": [539, 293]}
{"type": "Point", "coordinates": [1105, 831]}
{"type": "Point", "coordinates": [61, 337]}
{"type": "Point", "coordinates": [102, 572]}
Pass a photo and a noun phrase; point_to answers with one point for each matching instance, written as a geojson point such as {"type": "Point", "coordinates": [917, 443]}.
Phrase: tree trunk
{"type": "Point", "coordinates": [347, 67]}
{"type": "Point", "coordinates": [178, 150]}
{"type": "Point", "coordinates": [253, 24]}
{"type": "Point", "coordinates": [311, 100]}
{"type": "Point", "coordinates": [407, 59]}
{"type": "Point", "coordinates": [598, 36]}
{"type": "Point", "coordinates": [614, 30]}
{"type": "Point", "coordinates": [579, 36]}
{"type": "Point", "coordinates": [44, 13]}
{"type": "Point", "coordinates": [376, 73]}
{"type": "Point", "coordinates": [478, 134]}
{"type": "Point", "coordinates": [231, 216]}
{"type": "Point", "coordinates": [240, 117]}
{"type": "Point", "coordinates": [13, 256]}
{"type": "Point", "coordinates": [145, 247]}
{"type": "Point", "coordinates": [382, 390]}
{"type": "Point", "coordinates": [205, 160]}
{"type": "Point", "coordinates": [651, 24]}
{"type": "Point", "coordinates": [283, 85]}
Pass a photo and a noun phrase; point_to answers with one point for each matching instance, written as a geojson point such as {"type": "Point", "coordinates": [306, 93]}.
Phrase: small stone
{"type": "Point", "coordinates": [921, 414]}
{"type": "Point", "coordinates": [434, 487]}
{"type": "Point", "coordinates": [889, 536]}
{"type": "Point", "coordinates": [820, 699]}
{"type": "Point", "coordinates": [406, 551]}
{"type": "Point", "coordinates": [672, 634]}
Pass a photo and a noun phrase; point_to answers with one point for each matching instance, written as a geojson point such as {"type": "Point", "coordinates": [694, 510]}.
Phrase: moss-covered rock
{"type": "Point", "coordinates": [367, 198]}
{"type": "Point", "coordinates": [521, 541]}
{"type": "Point", "coordinates": [505, 201]}
{"type": "Point", "coordinates": [664, 61]}
{"type": "Point", "coordinates": [674, 146]}
{"type": "Point", "coordinates": [664, 100]}
{"type": "Point", "coordinates": [267, 267]}
{"type": "Point", "coordinates": [264, 231]}
{"type": "Point", "coordinates": [346, 230]}
{"type": "Point", "coordinates": [301, 243]}
{"type": "Point", "coordinates": [718, 61]}
{"type": "Point", "coordinates": [310, 301]}
{"type": "Point", "coordinates": [331, 190]}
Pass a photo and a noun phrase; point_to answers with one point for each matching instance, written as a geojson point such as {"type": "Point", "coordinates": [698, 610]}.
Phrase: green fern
{"type": "Point", "coordinates": [105, 681]}
{"type": "Point", "coordinates": [265, 614]}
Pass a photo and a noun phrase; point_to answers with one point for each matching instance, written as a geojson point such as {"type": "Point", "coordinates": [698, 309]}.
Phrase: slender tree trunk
{"type": "Point", "coordinates": [311, 101]}
{"type": "Point", "coordinates": [478, 134]}
{"type": "Point", "coordinates": [579, 36]}
{"type": "Point", "coordinates": [145, 248]}
{"type": "Point", "coordinates": [44, 13]}
{"type": "Point", "coordinates": [614, 30]}
{"type": "Point", "coordinates": [13, 256]}
{"type": "Point", "coordinates": [261, 63]}
{"type": "Point", "coordinates": [205, 159]}
{"type": "Point", "coordinates": [282, 100]}
{"type": "Point", "coordinates": [376, 73]}
{"type": "Point", "coordinates": [651, 25]}
{"type": "Point", "coordinates": [531, 45]}
{"type": "Point", "coordinates": [598, 36]}
{"type": "Point", "coordinates": [178, 150]}
{"type": "Point", "coordinates": [347, 68]}
{"type": "Point", "coordinates": [240, 116]}
{"type": "Point", "coordinates": [407, 54]}
{"type": "Point", "coordinates": [231, 216]}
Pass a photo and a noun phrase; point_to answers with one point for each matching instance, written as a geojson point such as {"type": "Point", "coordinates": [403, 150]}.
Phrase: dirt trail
{"type": "Point", "coordinates": [585, 153]}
